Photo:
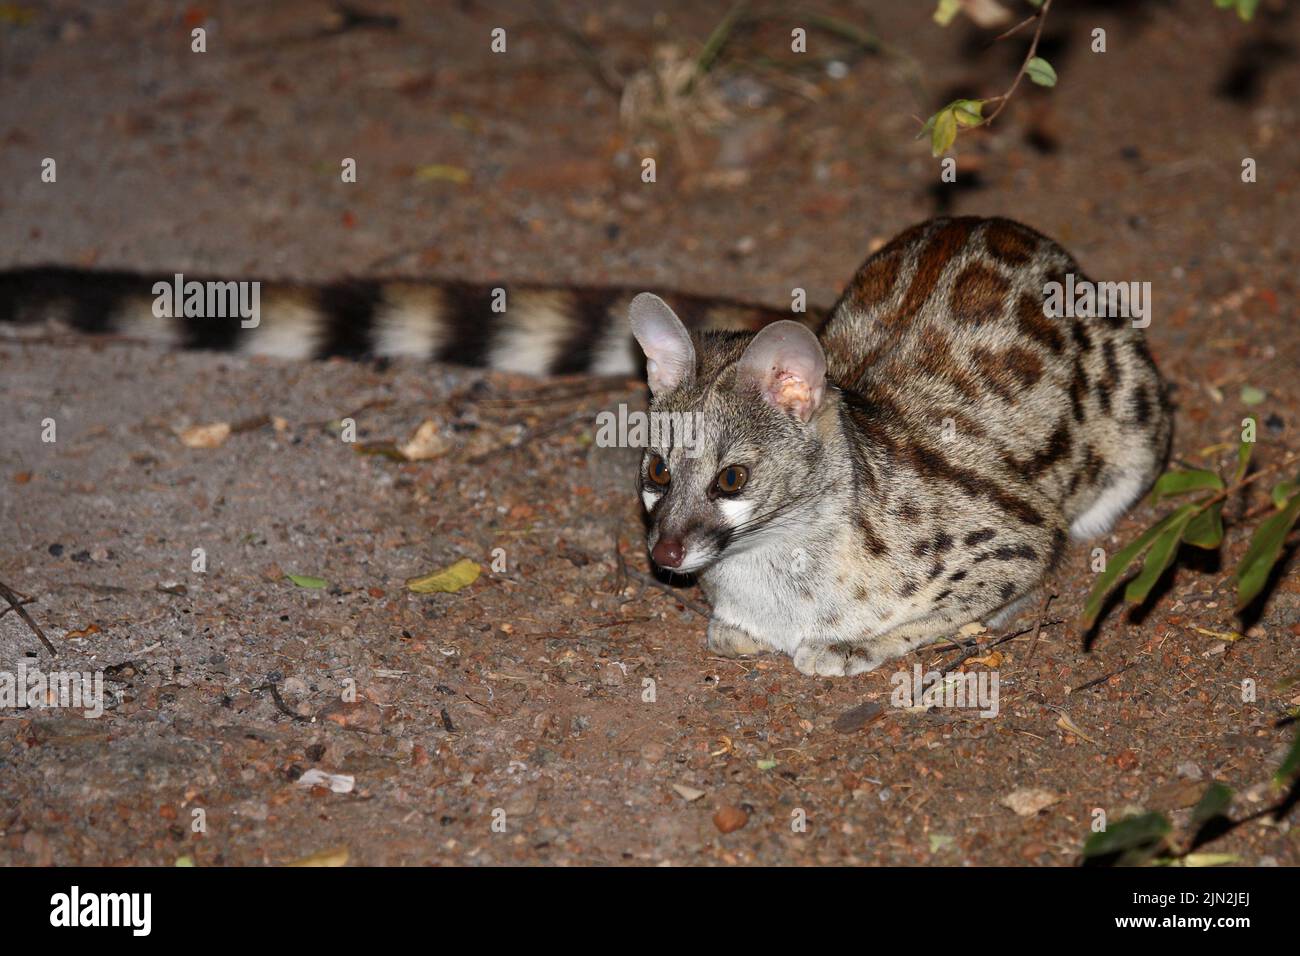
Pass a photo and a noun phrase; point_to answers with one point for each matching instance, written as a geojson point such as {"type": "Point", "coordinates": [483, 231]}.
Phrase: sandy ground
{"type": "Point", "coordinates": [559, 697]}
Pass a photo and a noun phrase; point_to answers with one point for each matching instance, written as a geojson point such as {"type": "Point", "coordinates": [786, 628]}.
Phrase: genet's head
{"type": "Point", "coordinates": [734, 435]}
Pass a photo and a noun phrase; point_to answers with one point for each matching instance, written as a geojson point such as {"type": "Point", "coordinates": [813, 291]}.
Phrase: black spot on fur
{"type": "Point", "coordinates": [957, 576]}
{"type": "Point", "coordinates": [979, 537]}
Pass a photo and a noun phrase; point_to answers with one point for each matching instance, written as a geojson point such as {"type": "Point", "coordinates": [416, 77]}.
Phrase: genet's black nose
{"type": "Point", "coordinates": [668, 553]}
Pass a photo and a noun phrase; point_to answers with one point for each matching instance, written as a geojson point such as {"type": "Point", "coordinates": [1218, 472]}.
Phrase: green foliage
{"type": "Point", "coordinates": [1135, 840]}
{"type": "Point", "coordinates": [1290, 764]}
{"type": "Point", "coordinates": [1040, 71]}
{"type": "Point", "coordinates": [1199, 523]}
{"type": "Point", "coordinates": [942, 126]}
{"type": "Point", "coordinates": [1245, 8]}
{"type": "Point", "coordinates": [1265, 548]}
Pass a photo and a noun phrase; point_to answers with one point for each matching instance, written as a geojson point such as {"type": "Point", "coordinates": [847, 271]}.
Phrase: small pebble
{"type": "Point", "coordinates": [729, 819]}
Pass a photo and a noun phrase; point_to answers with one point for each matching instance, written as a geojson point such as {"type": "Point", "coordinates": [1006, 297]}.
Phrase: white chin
{"type": "Point", "coordinates": [693, 564]}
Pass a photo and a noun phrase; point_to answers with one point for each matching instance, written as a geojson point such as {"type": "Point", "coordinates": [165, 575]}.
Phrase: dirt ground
{"type": "Point", "coordinates": [560, 696]}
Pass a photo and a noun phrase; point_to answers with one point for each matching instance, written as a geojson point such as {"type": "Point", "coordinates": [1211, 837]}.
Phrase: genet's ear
{"type": "Point", "coordinates": [786, 361]}
{"type": "Point", "coordinates": [669, 353]}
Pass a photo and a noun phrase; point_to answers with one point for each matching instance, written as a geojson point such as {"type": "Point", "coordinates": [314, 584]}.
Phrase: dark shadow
{"type": "Point", "coordinates": [1243, 79]}
{"type": "Point", "coordinates": [943, 196]}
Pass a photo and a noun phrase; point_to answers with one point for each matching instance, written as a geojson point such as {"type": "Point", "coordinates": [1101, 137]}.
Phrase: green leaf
{"type": "Point", "coordinates": [1212, 804]}
{"type": "Point", "coordinates": [1290, 763]}
{"type": "Point", "coordinates": [1283, 491]}
{"type": "Point", "coordinates": [1250, 395]}
{"type": "Point", "coordinates": [1205, 530]}
{"type": "Point", "coordinates": [945, 12]}
{"type": "Point", "coordinates": [944, 131]}
{"type": "Point", "coordinates": [1210, 859]}
{"type": "Point", "coordinates": [1243, 452]}
{"type": "Point", "coordinates": [1265, 547]}
{"type": "Point", "coordinates": [1158, 558]}
{"type": "Point", "coordinates": [1145, 831]}
{"type": "Point", "coordinates": [1246, 8]}
{"type": "Point", "coordinates": [307, 581]}
{"type": "Point", "coordinates": [968, 113]}
{"type": "Point", "coordinates": [1173, 483]}
{"type": "Point", "coordinates": [1117, 565]}
{"type": "Point", "coordinates": [1041, 72]}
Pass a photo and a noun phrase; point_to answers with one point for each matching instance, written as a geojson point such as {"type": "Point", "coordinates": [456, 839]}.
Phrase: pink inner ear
{"type": "Point", "coordinates": [786, 360]}
{"type": "Point", "coordinates": [788, 389]}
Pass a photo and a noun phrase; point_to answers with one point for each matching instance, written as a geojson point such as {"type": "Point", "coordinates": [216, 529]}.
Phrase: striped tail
{"type": "Point", "coordinates": [530, 329]}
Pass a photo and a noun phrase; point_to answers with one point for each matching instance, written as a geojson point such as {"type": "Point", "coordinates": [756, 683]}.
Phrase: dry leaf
{"type": "Point", "coordinates": [336, 856]}
{"type": "Point", "coordinates": [84, 632]}
{"type": "Point", "coordinates": [1029, 800]}
{"type": "Point", "coordinates": [972, 629]}
{"type": "Point", "coordinates": [337, 782]}
{"type": "Point", "coordinates": [687, 793]}
{"type": "Point", "coordinates": [1065, 723]}
{"type": "Point", "coordinates": [426, 443]}
{"type": "Point", "coordinates": [988, 660]}
{"type": "Point", "coordinates": [986, 13]}
{"type": "Point", "coordinates": [206, 436]}
{"type": "Point", "coordinates": [447, 581]}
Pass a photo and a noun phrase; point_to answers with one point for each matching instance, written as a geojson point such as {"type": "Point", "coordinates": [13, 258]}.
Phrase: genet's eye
{"type": "Point", "coordinates": [731, 479]}
{"type": "Point", "coordinates": [658, 471]}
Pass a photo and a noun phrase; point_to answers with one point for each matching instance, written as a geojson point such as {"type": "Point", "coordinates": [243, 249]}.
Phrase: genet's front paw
{"type": "Point", "coordinates": [728, 641]}
{"type": "Point", "coordinates": [835, 660]}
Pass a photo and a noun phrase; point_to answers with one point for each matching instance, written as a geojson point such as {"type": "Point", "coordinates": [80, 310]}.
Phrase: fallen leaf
{"type": "Point", "coordinates": [336, 856]}
{"type": "Point", "coordinates": [1065, 723]}
{"type": "Point", "coordinates": [447, 581]}
{"type": "Point", "coordinates": [940, 841]}
{"type": "Point", "coordinates": [971, 629]}
{"type": "Point", "coordinates": [441, 172]}
{"type": "Point", "coordinates": [86, 631]}
{"type": "Point", "coordinates": [337, 782]}
{"type": "Point", "coordinates": [988, 660]}
{"type": "Point", "coordinates": [688, 794]}
{"type": "Point", "coordinates": [858, 717]}
{"type": "Point", "coordinates": [1027, 801]}
{"type": "Point", "coordinates": [1228, 636]}
{"type": "Point", "coordinates": [205, 436]}
{"type": "Point", "coordinates": [426, 443]}
{"type": "Point", "coordinates": [307, 581]}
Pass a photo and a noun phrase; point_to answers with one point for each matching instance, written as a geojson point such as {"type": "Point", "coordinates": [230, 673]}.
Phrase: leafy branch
{"type": "Point", "coordinates": [943, 126]}
{"type": "Point", "coordinates": [1200, 524]}
{"type": "Point", "coordinates": [967, 114]}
